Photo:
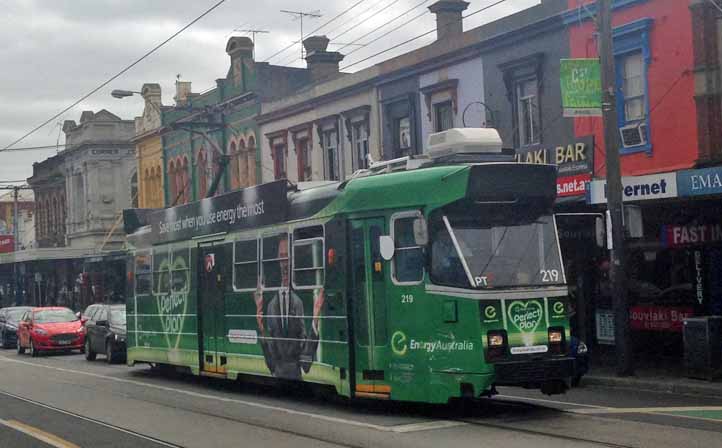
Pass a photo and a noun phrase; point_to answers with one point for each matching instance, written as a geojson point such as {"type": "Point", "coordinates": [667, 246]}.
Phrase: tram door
{"type": "Point", "coordinates": [368, 302]}
{"type": "Point", "coordinates": [211, 309]}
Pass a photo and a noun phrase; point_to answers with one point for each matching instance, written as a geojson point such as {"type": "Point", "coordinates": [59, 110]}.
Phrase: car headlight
{"type": "Point", "coordinates": [582, 348]}
{"type": "Point", "coordinates": [40, 331]}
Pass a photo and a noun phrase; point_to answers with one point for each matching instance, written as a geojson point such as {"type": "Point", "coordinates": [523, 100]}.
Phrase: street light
{"type": "Point", "coordinates": [117, 93]}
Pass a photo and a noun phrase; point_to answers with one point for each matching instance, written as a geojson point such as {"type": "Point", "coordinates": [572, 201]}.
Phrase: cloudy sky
{"type": "Point", "coordinates": [55, 51]}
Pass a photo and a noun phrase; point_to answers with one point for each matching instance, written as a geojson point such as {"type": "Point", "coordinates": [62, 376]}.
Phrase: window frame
{"type": "Point", "coordinates": [149, 253]}
{"type": "Point", "coordinates": [326, 140]}
{"type": "Point", "coordinates": [308, 241]}
{"type": "Point", "coordinates": [257, 239]}
{"type": "Point", "coordinates": [263, 237]}
{"type": "Point", "coordinates": [357, 161]}
{"type": "Point", "coordinates": [395, 217]}
{"type": "Point", "coordinates": [630, 39]}
{"type": "Point", "coordinates": [520, 103]}
{"type": "Point", "coordinates": [437, 108]}
{"type": "Point", "coordinates": [187, 270]}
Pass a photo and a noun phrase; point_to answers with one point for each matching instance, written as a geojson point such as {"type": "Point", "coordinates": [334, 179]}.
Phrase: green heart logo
{"type": "Point", "coordinates": [526, 316]}
{"type": "Point", "coordinates": [172, 307]}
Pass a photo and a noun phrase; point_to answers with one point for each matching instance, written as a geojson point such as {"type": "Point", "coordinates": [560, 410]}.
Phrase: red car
{"type": "Point", "coordinates": [50, 329]}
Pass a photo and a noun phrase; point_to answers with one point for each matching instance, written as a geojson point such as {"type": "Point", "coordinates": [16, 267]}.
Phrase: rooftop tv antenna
{"type": "Point", "coordinates": [299, 15]}
{"type": "Point", "coordinates": [253, 33]}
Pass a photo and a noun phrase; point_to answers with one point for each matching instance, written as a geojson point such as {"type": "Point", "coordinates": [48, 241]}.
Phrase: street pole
{"type": "Point", "coordinates": [15, 245]}
{"type": "Point", "coordinates": [615, 205]}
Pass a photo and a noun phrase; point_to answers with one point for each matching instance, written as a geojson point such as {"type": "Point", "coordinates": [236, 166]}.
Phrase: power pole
{"type": "Point", "coordinates": [615, 206]}
{"type": "Point", "coordinates": [253, 33]}
{"type": "Point", "coordinates": [300, 15]}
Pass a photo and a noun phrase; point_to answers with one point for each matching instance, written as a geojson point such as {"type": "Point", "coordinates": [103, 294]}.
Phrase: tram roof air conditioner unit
{"type": "Point", "coordinates": [464, 141]}
{"type": "Point", "coordinates": [633, 135]}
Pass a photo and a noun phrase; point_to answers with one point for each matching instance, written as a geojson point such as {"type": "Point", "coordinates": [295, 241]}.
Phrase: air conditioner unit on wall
{"type": "Point", "coordinates": [633, 135]}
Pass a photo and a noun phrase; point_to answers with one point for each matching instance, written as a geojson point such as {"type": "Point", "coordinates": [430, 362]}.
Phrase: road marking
{"type": "Point", "coordinates": [267, 407]}
{"type": "Point", "coordinates": [426, 426]}
{"type": "Point", "coordinates": [609, 410]}
{"type": "Point", "coordinates": [38, 434]}
{"type": "Point", "coordinates": [87, 419]}
{"type": "Point", "coordinates": [542, 400]}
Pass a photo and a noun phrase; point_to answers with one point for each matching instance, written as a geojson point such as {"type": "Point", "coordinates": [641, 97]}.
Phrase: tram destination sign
{"type": "Point", "coordinates": [250, 207]}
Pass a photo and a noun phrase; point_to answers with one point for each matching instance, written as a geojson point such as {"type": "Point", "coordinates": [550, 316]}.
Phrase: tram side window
{"type": "Point", "coordinates": [408, 262]}
{"type": "Point", "coordinates": [275, 258]}
{"type": "Point", "coordinates": [143, 274]}
{"type": "Point", "coordinates": [161, 271]}
{"type": "Point", "coordinates": [245, 265]}
{"type": "Point", "coordinates": [180, 271]}
{"type": "Point", "coordinates": [308, 261]}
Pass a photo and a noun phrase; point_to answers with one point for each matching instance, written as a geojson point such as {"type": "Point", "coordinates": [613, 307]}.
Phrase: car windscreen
{"type": "Point", "coordinates": [54, 316]}
{"type": "Point", "coordinates": [15, 315]}
{"type": "Point", "coordinates": [117, 316]}
{"type": "Point", "coordinates": [483, 248]}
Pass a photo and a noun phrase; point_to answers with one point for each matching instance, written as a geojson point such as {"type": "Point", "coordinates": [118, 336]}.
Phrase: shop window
{"type": "Point", "coordinates": [143, 274]}
{"type": "Point", "coordinates": [308, 258]}
{"type": "Point", "coordinates": [245, 265]}
{"type": "Point", "coordinates": [408, 261]}
{"type": "Point", "coordinates": [274, 266]}
{"type": "Point", "coordinates": [632, 58]}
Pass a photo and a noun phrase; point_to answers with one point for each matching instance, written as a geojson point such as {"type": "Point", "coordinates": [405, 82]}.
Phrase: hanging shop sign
{"type": "Point", "coordinates": [7, 244]}
{"type": "Point", "coordinates": [636, 188]}
{"type": "Point", "coordinates": [700, 182]}
{"type": "Point", "coordinates": [690, 235]}
{"type": "Point", "coordinates": [659, 318]}
{"type": "Point", "coordinates": [581, 85]}
{"type": "Point", "coordinates": [574, 162]}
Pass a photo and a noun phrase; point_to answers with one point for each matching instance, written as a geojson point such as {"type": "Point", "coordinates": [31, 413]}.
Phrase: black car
{"type": "Point", "coordinates": [9, 318]}
{"type": "Point", "coordinates": [105, 332]}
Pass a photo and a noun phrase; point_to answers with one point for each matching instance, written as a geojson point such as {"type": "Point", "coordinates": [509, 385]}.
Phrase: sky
{"type": "Point", "coordinates": [53, 52]}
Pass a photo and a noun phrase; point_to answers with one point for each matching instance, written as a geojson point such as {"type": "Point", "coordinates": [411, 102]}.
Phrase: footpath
{"type": "Point", "coordinates": [657, 377]}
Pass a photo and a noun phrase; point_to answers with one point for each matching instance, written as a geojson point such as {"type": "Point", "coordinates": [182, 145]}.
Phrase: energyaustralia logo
{"type": "Point", "coordinates": [401, 345]}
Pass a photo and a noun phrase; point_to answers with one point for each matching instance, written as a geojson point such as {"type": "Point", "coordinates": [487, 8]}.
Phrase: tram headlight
{"type": "Point", "coordinates": [555, 337]}
{"type": "Point", "coordinates": [496, 340]}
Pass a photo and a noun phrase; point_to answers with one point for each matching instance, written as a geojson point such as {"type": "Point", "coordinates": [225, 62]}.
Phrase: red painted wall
{"type": "Point", "coordinates": [673, 119]}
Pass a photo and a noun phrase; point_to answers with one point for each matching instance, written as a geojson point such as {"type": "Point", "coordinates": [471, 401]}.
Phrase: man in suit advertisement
{"type": "Point", "coordinates": [289, 347]}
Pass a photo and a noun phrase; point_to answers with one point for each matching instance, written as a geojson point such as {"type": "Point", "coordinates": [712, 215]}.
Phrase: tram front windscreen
{"type": "Point", "coordinates": [494, 247]}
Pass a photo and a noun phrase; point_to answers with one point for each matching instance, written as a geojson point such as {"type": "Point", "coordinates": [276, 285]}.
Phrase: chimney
{"type": "Point", "coordinates": [151, 93]}
{"type": "Point", "coordinates": [182, 92]}
{"type": "Point", "coordinates": [239, 46]}
{"type": "Point", "coordinates": [448, 17]}
{"type": "Point", "coordinates": [321, 63]}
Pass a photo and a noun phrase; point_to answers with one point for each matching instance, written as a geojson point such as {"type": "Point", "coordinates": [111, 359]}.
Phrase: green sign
{"type": "Point", "coordinates": [581, 87]}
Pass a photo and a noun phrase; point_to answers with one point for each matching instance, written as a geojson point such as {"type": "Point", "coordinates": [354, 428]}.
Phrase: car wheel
{"type": "Point", "coordinates": [34, 353]}
{"type": "Point", "coordinates": [89, 353]}
{"type": "Point", "coordinates": [109, 354]}
{"type": "Point", "coordinates": [20, 348]}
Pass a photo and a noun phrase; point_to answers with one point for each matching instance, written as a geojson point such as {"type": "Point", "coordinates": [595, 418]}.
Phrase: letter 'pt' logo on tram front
{"type": "Point", "coordinates": [399, 343]}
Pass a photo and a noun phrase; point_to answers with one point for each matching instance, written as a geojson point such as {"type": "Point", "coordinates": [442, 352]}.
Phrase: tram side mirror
{"type": "Point", "coordinates": [421, 232]}
{"type": "Point", "coordinates": [386, 244]}
{"type": "Point", "coordinates": [600, 231]}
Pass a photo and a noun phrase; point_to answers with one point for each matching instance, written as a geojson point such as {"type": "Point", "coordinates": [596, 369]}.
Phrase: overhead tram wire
{"type": "Point", "coordinates": [348, 22]}
{"type": "Point", "coordinates": [498, 2]}
{"type": "Point", "coordinates": [413, 19]}
{"type": "Point", "coordinates": [363, 21]}
{"type": "Point", "coordinates": [116, 76]}
{"type": "Point", "coordinates": [334, 18]}
{"type": "Point", "coordinates": [387, 23]}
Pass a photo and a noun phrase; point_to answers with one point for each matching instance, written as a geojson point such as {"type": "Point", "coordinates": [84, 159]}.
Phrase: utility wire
{"type": "Point", "coordinates": [388, 23]}
{"type": "Point", "coordinates": [359, 15]}
{"type": "Point", "coordinates": [413, 19]}
{"type": "Point", "coordinates": [283, 50]}
{"type": "Point", "coordinates": [421, 35]}
{"type": "Point", "coordinates": [116, 76]}
{"type": "Point", "coordinates": [716, 5]}
{"type": "Point", "coordinates": [364, 21]}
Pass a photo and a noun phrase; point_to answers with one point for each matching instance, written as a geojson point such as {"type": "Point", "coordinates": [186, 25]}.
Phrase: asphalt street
{"type": "Point", "coordinates": [65, 401]}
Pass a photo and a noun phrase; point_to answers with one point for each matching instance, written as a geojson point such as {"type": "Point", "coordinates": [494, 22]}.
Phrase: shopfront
{"type": "Point", "coordinates": [673, 224]}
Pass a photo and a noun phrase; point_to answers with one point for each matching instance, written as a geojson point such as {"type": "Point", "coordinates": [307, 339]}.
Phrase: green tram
{"type": "Point", "coordinates": [420, 279]}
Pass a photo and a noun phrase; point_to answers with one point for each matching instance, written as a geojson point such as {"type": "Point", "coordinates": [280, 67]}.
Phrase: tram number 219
{"type": "Point", "coordinates": [407, 298]}
{"type": "Point", "coordinates": [549, 275]}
